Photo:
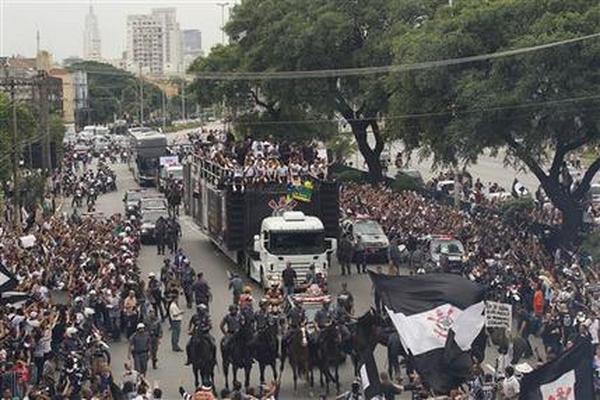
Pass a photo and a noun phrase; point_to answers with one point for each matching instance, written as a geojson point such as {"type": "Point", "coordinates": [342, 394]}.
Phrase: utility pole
{"type": "Point", "coordinates": [164, 110]}
{"type": "Point", "coordinates": [183, 100]}
{"type": "Point", "coordinates": [222, 5]}
{"type": "Point", "coordinates": [141, 97]}
{"type": "Point", "coordinates": [44, 125]}
{"type": "Point", "coordinates": [15, 149]}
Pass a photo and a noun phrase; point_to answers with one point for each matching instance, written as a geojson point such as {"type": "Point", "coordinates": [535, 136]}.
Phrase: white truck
{"type": "Point", "coordinates": [257, 228]}
{"type": "Point", "coordinates": [290, 237]}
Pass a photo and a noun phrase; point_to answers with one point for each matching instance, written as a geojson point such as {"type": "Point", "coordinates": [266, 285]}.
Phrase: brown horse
{"type": "Point", "coordinates": [296, 347]}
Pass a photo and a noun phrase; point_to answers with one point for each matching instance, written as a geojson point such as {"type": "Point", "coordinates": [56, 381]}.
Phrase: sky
{"type": "Point", "coordinates": [61, 23]}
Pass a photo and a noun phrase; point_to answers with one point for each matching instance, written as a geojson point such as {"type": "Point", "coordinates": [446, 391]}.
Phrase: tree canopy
{"type": "Point", "coordinates": [25, 128]}
{"type": "Point", "coordinates": [537, 107]}
{"type": "Point", "coordinates": [113, 91]}
{"type": "Point", "coordinates": [290, 35]}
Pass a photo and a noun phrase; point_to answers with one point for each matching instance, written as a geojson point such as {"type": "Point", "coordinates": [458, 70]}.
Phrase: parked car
{"type": "Point", "coordinates": [448, 246]}
{"type": "Point", "coordinates": [155, 202]}
{"type": "Point", "coordinates": [367, 235]}
{"type": "Point", "coordinates": [131, 201]}
{"type": "Point", "coordinates": [166, 172]}
{"type": "Point", "coordinates": [148, 219]}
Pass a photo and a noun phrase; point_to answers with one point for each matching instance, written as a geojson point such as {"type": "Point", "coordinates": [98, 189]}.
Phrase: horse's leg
{"type": "Point", "coordinates": [295, 377]}
{"type": "Point", "coordinates": [247, 370]}
{"type": "Point", "coordinates": [226, 372]}
{"type": "Point", "coordinates": [274, 368]}
{"type": "Point", "coordinates": [261, 368]}
{"type": "Point", "coordinates": [235, 369]}
{"type": "Point", "coordinates": [337, 380]}
{"type": "Point", "coordinates": [195, 371]}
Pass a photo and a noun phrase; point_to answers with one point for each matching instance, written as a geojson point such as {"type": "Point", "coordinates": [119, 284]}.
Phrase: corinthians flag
{"type": "Point", "coordinates": [438, 317]}
{"type": "Point", "coordinates": [569, 377]}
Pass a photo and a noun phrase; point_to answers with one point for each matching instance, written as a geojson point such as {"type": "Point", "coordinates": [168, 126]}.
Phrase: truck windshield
{"type": "Point", "coordinates": [291, 243]}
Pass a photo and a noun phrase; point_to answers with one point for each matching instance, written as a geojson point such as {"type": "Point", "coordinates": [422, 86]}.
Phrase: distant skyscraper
{"type": "Point", "coordinates": [91, 37]}
{"type": "Point", "coordinates": [145, 43]}
{"type": "Point", "coordinates": [172, 52]}
{"type": "Point", "coordinates": [192, 43]}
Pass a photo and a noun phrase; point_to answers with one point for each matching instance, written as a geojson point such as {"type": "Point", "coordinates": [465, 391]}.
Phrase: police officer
{"type": "Point", "coordinates": [201, 290]}
{"type": "Point", "coordinates": [324, 317]}
{"type": "Point", "coordinates": [263, 317]}
{"type": "Point", "coordinates": [200, 324]}
{"type": "Point", "coordinates": [346, 299]}
{"type": "Point", "coordinates": [154, 329]}
{"type": "Point", "coordinates": [139, 347]}
{"type": "Point", "coordinates": [187, 280]}
{"type": "Point", "coordinates": [160, 233]}
{"type": "Point", "coordinates": [173, 234]}
{"type": "Point", "coordinates": [231, 323]}
{"type": "Point", "coordinates": [155, 295]}
{"type": "Point", "coordinates": [296, 320]}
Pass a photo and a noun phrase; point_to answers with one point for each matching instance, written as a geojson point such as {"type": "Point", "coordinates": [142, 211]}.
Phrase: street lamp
{"type": "Point", "coordinates": [222, 5]}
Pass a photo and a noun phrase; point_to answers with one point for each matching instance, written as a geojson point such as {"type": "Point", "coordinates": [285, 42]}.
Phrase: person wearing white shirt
{"type": "Point", "coordinates": [511, 386]}
{"type": "Point", "coordinates": [176, 315]}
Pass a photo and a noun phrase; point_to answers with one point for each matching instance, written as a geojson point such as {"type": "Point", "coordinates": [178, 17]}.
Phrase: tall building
{"type": "Point", "coordinates": [172, 51]}
{"type": "Point", "coordinates": [145, 44]}
{"type": "Point", "coordinates": [91, 37]}
{"type": "Point", "coordinates": [192, 46]}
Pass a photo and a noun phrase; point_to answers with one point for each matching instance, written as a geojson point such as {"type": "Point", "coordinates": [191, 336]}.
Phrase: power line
{"type": "Point", "coordinates": [364, 71]}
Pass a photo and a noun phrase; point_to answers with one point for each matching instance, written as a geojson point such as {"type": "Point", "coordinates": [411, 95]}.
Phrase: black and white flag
{"type": "Point", "coordinates": [569, 377]}
{"type": "Point", "coordinates": [366, 343]}
{"type": "Point", "coordinates": [438, 317]}
{"type": "Point", "coordinates": [7, 280]}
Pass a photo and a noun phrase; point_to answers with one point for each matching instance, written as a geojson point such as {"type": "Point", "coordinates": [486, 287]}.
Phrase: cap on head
{"type": "Point", "coordinates": [140, 326]}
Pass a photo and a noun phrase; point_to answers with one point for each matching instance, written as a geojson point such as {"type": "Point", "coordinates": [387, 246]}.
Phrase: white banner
{"type": "Point", "coordinates": [498, 315]}
{"type": "Point", "coordinates": [167, 161]}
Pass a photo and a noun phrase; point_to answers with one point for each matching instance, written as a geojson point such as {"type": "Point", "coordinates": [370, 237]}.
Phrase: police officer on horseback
{"type": "Point", "coordinates": [296, 319]}
{"type": "Point", "coordinates": [200, 324]}
{"type": "Point", "coordinates": [324, 317]}
{"type": "Point", "coordinates": [263, 317]}
{"type": "Point", "coordinates": [231, 324]}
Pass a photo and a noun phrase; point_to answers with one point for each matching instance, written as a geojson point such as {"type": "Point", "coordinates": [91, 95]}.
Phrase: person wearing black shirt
{"type": "Point", "coordinates": [289, 279]}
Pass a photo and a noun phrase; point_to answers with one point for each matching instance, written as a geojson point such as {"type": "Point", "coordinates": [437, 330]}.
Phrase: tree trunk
{"type": "Point", "coordinates": [371, 156]}
{"type": "Point", "coordinates": [572, 223]}
{"type": "Point", "coordinates": [571, 209]}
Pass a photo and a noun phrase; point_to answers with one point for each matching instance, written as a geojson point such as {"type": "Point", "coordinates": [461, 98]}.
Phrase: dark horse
{"type": "Point", "coordinates": [329, 355]}
{"type": "Point", "coordinates": [296, 347]}
{"type": "Point", "coordinates": [203, 353]}
{"type": "Point", "coordinates": [265, 350]}
{"type": "Point", "coordinates": [374, 328]}
{"type": "Point", "coordinates": [235, 352]}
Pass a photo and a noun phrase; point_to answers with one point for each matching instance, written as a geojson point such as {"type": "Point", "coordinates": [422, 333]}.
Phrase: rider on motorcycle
{"type": "Point", "coordinates": [200, 324]}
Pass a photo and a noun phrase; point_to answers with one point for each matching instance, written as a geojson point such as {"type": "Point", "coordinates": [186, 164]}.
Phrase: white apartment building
{"type": "Point", "coordinates": [145, 44]}
{"type": "Point", "coordinates": [172, 40]}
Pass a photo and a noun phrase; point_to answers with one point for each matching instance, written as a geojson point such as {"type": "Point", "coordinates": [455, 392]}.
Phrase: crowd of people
{"type": "Point", "coordinates": [555, 296]}
{"type": "Point", "coordinates": [253, 160]}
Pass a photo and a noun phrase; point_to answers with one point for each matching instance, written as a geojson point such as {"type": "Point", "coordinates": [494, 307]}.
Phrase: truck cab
{"type": "Point", "coordinates": [290, 237]}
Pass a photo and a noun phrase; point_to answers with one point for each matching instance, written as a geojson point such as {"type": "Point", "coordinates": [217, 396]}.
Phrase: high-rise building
{"type": "Point", "coordinates": [145, 42]}
{"type": "Point", "coordinates": [192, 46]}
{"type": "Point", "coordinates": [172, 52]}
{"type": "Point", "coordinates": [91, 37]}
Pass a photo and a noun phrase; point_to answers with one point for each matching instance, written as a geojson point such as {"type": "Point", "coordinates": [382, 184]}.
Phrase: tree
{"type": "Point", "coordinates": [537, 107]}
{"type": "Point", "coordinates": [114, 92]}
{"type": "Point", "coordinates": [292, 35]}
{"type": "Point", "coordinates": [26, 127]}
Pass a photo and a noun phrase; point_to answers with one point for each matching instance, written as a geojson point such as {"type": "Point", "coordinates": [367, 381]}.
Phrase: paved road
{"type": "Point", "coordinates": [171, 372]}
{"type": "Point", "coordinates": [488, 168]}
